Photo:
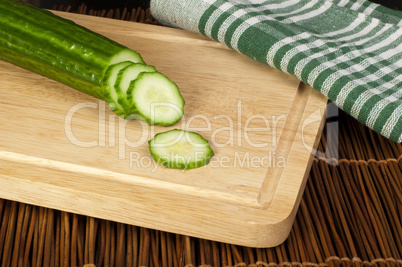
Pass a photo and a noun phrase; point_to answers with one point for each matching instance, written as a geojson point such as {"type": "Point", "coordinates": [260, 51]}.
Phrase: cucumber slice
{"type": "Point", "coordinates": [108, 83]}
{"type": "Point", "coordinates": [130, 73]}
{"type": "Point", "coordinates": [125, 77]}
{"type": "Point", "coordinates": [180, 149]}
{"type": "Point", "coordinates": [156, 98]}
{"type": "Point", "coordinates": [127, 55]}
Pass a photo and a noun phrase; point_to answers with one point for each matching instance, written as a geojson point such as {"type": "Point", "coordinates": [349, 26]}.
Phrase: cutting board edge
{"type": "Point", "coordinates": [191, 222]}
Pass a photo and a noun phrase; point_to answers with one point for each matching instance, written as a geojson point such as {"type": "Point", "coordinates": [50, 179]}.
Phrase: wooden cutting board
{"type": "Point", "coordinates": [62, 149]}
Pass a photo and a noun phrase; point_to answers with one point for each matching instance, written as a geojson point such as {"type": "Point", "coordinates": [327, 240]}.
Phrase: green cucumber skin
{"type": "Point", "coordinates": [182, 166]}
{"type": "Point", "coordinates": [43, 63]}
{"type": "Point", "coordinates": [47, 71]}
{"type": "Point", "coordinates": [38, 40]}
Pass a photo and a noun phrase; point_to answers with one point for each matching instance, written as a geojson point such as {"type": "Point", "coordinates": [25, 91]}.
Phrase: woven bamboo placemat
{"type": "Point", "coordinates": [350, 214]}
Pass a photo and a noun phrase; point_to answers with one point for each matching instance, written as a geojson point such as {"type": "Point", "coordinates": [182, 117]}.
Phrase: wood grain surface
{"type": "Point", "coordinates": [62, 149]}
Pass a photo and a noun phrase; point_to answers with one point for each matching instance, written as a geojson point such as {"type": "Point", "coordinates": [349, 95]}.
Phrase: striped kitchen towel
{"type": "Point", "coordinates": [349, 50]}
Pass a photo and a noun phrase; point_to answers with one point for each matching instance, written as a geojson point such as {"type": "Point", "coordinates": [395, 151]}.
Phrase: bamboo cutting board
{"type": "Point", "coordinates": [62, 149]}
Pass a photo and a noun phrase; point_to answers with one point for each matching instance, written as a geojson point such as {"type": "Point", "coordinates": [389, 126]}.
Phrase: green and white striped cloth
{"type": "Point", "coordinates": [349, 50]}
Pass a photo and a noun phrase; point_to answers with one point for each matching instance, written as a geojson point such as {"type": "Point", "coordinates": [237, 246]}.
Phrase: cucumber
{"type": "Point", "coordinates": [130, 73]}
{"type": "Point", "coordinates": [125, 76]}
{"type": "Point", "coordinates": [156, 98]}
{"type": "Point", "coordinates": [57, 48]}
{"type": "Point", "coordinates": [38, 40]}
{"type": "Point", "coordinates": [180, 149]}
{"type": "Point", "coordinates": [109, 81]}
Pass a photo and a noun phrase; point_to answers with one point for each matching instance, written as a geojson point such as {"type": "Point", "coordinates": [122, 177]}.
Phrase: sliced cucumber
{"type": "Point", "coordinates": [125, 77]}
{"type": "Point", "coordinates": [180, 149]}
{"type": "Point", "coordinates": [108, 83]}
{"type": "Point", "coordinates": [156, 98]}
{"type": "Point", "coordinates": [130, 73]}
{"type": "Point", "coordinates": [57, 48]}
